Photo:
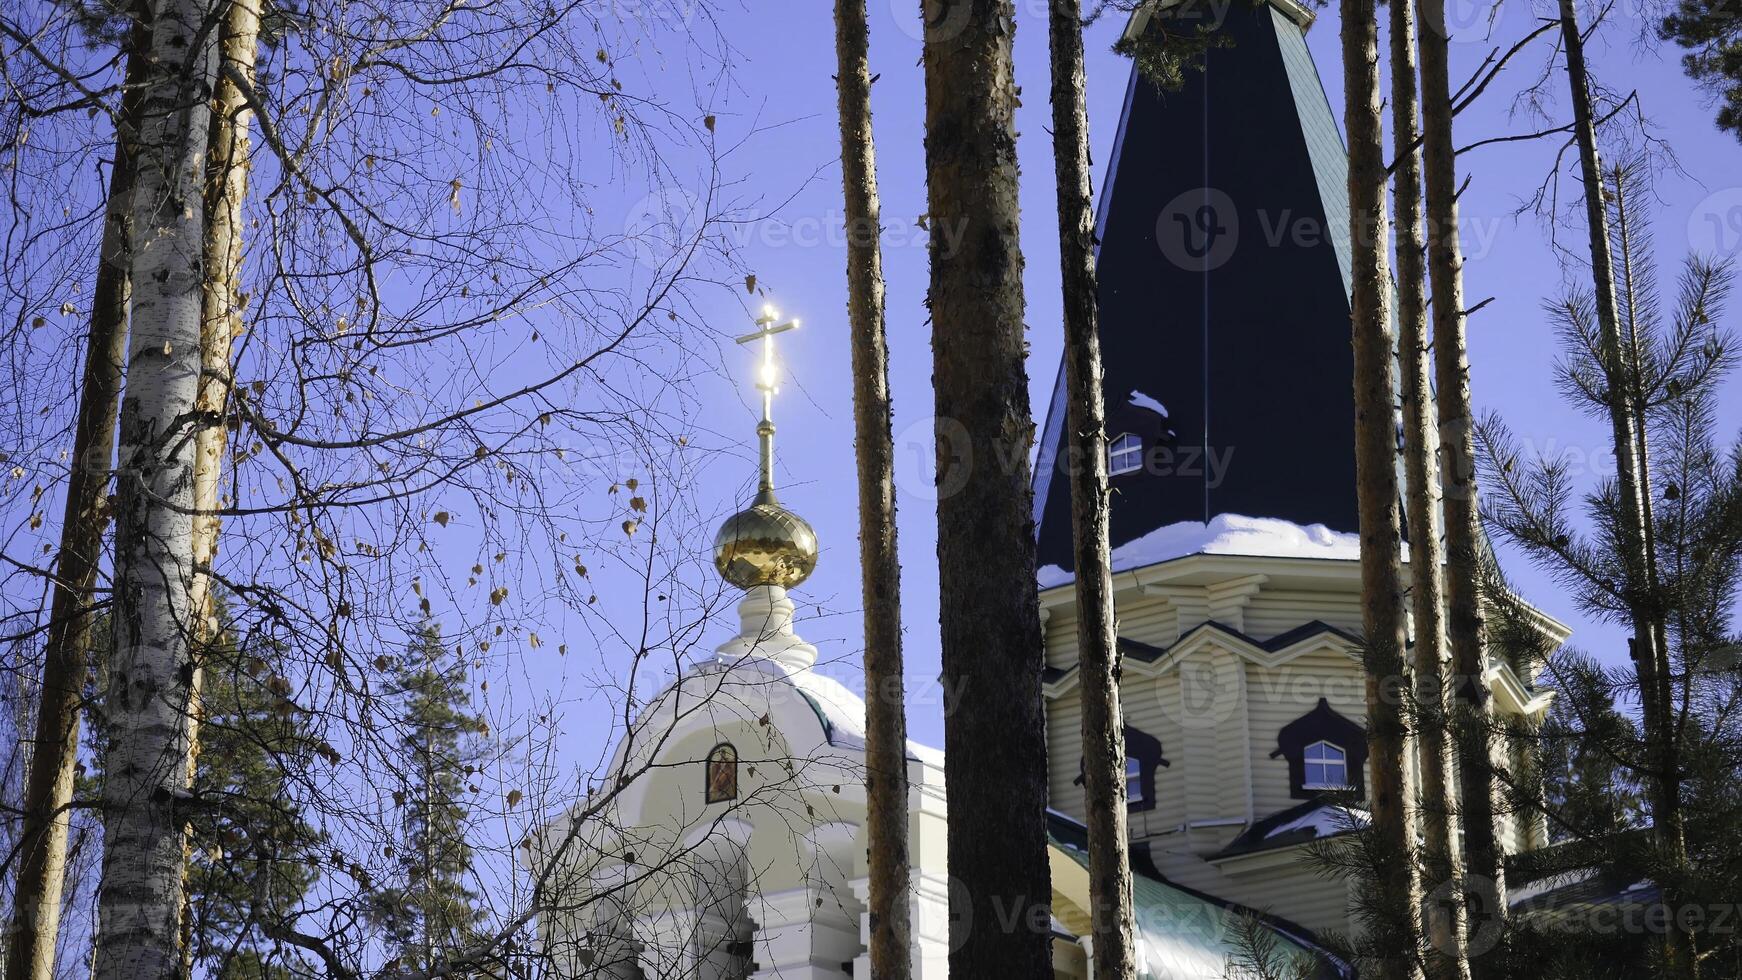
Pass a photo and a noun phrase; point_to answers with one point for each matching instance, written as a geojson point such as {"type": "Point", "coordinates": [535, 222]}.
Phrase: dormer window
{"type": "Point", "coordinates": [1325, 751]}
{"type": "Point", "coordinates": [1125, 454]}
{"type": "Point", "coordinates": [1143, 757]}
{"type": "Point", "coordinates": [1327, 767]}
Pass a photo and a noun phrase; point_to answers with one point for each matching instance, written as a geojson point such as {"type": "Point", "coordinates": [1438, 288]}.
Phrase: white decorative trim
{"type": "Point", "coordinates": [765, 630]}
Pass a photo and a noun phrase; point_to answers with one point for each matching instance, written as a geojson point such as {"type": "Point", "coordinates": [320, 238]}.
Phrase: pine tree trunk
{"type": "Point", "coordinates": [37, 889]}
{"type": "Point", "coordinates": [1659, 625]}
{"type": "Point", "coordinates": [1485, 861]}
{"type": "Point", "coordinates": [1642, 440]}
{"type": "Point", "coordinates": [1650, 651]}
{"type": "Point", "coordinates": [989, 619]}
{"type": "Point", "coordinates": [1388, 791]}
{"type": "Point", "coordinates": [1445, 915]}
{"type": "Point", "coordinates": [149, 699]}
{"type": "Point", "coordinates": [1636, 378]}
{"type": "Point", "coordinates": [1113, 918]}
{"type": "Point", "coordinates": [879, 560]}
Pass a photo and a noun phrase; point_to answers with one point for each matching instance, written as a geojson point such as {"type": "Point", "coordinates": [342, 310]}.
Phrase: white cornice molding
{"type": "Point", "coordinates": [1511, 693]}
{"type": "Point", "coordinates": [1208, 567]}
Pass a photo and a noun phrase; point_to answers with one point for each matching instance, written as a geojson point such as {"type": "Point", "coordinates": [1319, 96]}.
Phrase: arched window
{"type": "Point", "coordinates": [722, 773]}
{"type": "Point", "coordinates": [1125, 454]}
{"type": "Point", "coordinates": [1327, 767]}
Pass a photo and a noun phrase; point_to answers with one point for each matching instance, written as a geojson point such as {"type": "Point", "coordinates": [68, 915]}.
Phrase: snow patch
{"type": "Point", "coordinates": [1324, 821]}
{"type": "Point", "coordinates": [1142, 400]}
{"type": "Point", "coordinates": [1227, 534]}
{"type": "Point", "coordinates": [1523, 893]}
{"type": "Point", "coordinates": [845, 711]}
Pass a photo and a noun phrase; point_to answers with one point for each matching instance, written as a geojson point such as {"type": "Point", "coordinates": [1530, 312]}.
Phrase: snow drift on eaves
{"type": "Point", "coordinates": [1227, 534]}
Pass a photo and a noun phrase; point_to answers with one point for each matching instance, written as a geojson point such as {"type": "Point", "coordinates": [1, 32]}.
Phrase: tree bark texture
{"type": "Point", "coordinates": [1642, 442]}
{"type": "Point", "coordinates": [989, 621]}
{"type": "Point", "coordinates": [879, 561]}
{"type": "Point", "coordinates": [222, 298]}
{"type": "Point", "coordinates": [1112, 916]}
{"type": "Point", "coordinates": [222, 301]}
{"type": "Point", "coordinates": [1443, 863]}
{"type": "Point", "coordinates": [1466, 628]}
{"type": "Point", "coordinates": [1389, 791]}
{"type": "Point", "coordinates": [149, 700]}
{"type": "Point", "coordinates": [1650, 651]}
{"type": "Point", "coordinates": [36, 908]}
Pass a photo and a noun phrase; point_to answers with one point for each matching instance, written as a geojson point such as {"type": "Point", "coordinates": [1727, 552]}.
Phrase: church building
{"type": "Point", "coordinates": [731, 843]}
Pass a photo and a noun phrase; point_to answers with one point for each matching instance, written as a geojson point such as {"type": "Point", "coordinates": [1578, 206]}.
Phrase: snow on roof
{"type": "Point", "coordinates": [1227, 534]}
{"type": "Point", "coordinates": [1325, 821]}
{"type": "Point", "coordinates": [1519, 894]}
{"type": "Point", "coordinates": [1142, 400]}
{"type": "Point", "coordinates": [843, 713]}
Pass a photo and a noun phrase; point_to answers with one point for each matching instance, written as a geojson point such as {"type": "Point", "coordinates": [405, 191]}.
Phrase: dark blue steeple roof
{"type": "Point", "coordinates": [1224, 294]}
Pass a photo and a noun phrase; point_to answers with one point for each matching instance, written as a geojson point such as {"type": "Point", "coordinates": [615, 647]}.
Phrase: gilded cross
{"type": "Point", "coordinates": [767, 326]}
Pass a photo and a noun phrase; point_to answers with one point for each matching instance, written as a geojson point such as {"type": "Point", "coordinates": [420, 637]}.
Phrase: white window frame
{"type": "Point", "coordinates": [1134, 780]}
{"type": "Point", "coordinates": [1325, 762]}
{"type": "Point", "coordinates": [1127, 446]}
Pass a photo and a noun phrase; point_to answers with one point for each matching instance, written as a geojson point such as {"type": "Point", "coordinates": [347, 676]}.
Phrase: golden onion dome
{"type": "Point", "coordinates": [765, 544]}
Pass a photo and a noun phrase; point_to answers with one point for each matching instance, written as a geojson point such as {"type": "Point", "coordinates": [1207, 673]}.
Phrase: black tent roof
{"type": "Point", "coordinates": [1224, 294]}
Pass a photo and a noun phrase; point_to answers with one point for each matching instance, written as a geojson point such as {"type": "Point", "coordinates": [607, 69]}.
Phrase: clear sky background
{"type": "Point", "coordinates": [784, 104]}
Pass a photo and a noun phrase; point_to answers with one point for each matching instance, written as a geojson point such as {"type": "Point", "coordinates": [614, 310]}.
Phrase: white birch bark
{"type": "Point", "coordinates": [145, 763]}
{"type": "Point", "coordinates": [223, 298]}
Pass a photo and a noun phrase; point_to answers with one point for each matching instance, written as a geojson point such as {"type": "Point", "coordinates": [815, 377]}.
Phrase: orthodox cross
{"type": "Point", "coordinates": [768, 324]}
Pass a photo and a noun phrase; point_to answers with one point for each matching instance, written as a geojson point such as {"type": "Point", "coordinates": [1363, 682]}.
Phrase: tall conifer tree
{"type": "Point", "coordinates": [1442, 860]}
{"type": "Point", "coordinates": [431, 912]}
{"type": "Point", "coordinates": [989, 604]}
{"type": "Point", "coordinates": [1103, 726]}
{"type": "Point", "coordinates": [1642, 586]}
{"type": "Point", "coordinates": [1466, 631]}
{"type": "Point", "coordinates": [879, 560]}
{"type": "Point", "coordinates": [250, 828]}
{"type": "Point", "coordinates": [1395, 915]}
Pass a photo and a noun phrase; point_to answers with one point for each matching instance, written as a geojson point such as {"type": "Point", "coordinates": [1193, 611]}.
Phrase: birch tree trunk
{"type": "Point", "coordinates": [221, 303]}
{"type": "Point", "coordinates": [149, 700]}
{"type": "Point", "coordinates": [37, 890]}
{"type": "Point", "coordinates": [1650, 649]}
{"type": "Point", "coordinates": [1113, 919]}
{"type": "Point", "coordinates": [879, 561]}
{"type": "Point", "coordinates": [1485, 862]}
{"type": "Point", "coordinates": [1389, 792]}
{"type": "Point", "coordinates": [1445, 914]}
{"type": "Point", "coordinates": [222, 298]}
{"type": "Point", "coordinates": [990, 620]}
